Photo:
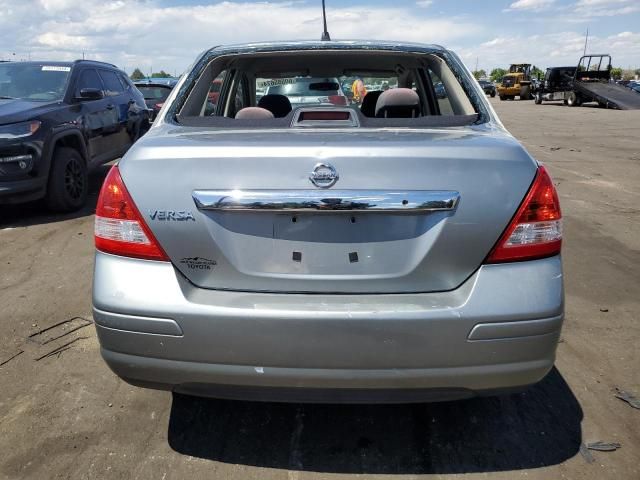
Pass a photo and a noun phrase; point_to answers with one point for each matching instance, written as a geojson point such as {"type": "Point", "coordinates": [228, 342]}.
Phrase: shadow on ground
{"type": "Point", "coordinates": [534, 429]}
{"type": "Point", "coordinates": [35, 213]}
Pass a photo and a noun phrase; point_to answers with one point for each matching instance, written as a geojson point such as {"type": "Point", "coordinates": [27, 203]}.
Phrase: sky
{"type": "Point", "coordinates": [170, 34]}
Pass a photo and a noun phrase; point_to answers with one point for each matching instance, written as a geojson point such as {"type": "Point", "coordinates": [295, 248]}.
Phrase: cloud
{"type": "Point", "coordinates": [424, 3]}
{"type": "Point", "coordinates": [605, 8]}
{"type": "Point", "coordinates": [149, 33]}
{"type": "Point", "coordinates": [553, 50]}
{"type": "Point", "coordinates": [530, 5]}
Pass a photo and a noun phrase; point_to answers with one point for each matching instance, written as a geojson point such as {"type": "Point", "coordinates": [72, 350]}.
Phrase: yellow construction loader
{"type": "Point", "coordinates": [516, 83]}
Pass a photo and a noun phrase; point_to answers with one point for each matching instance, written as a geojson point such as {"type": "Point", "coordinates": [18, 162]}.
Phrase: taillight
{"type": "Point", "coordinates": [337, 99]}
{"type": "Point", "coordinates": [536, 229]}
{"type": "Point", "coordinates": [119, 227]}
{"type": "Point", "coordinates": [159, 105]}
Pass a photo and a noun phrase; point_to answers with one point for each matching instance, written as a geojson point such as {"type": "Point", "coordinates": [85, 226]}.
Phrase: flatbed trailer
{"type": "Point", "coordinates": [592, 83]}
{"type": "Point", "coordinates": [610, 95]}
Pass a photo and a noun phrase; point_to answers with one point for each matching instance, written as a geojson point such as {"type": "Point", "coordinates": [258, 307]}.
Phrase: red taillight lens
{"type": "Point", "coordinates": [119, 227]}
{"type": "Point", "coordinates": [536, 229]}
{"type": "Point", "coordinates": [337, 99]}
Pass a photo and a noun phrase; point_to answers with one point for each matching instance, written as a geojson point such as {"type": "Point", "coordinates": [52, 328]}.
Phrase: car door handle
{"type": "Point", "coordinates": [110, 106]}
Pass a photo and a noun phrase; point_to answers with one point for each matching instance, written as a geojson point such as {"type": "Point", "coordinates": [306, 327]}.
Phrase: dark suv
{"type": "Point", "coordinates": [59, 119]}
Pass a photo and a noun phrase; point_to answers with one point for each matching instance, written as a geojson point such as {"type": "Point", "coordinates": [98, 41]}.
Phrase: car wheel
{"type": "Point", "coordinates": [503, 97]}
{"type": "Point", "coordinates": [493, 93]}
{"type": "Point", "coordinates": [573, 100]}
{"type": "Point", "coordinates": [538, 98]}
{"type": "Point", "coordinates": [68, 181]}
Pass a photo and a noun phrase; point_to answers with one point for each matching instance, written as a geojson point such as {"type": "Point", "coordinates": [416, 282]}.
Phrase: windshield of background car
{"type": "Point", "coordinates": [300, 86]}
{"type": "Point", "coordinates": [155, 93]}
{"type": "Point", "coordinates": [33, 82]}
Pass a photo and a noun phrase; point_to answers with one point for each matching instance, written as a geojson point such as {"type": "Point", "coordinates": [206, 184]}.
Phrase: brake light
{"type": "Point", "coordinates": [337, 99]}
{"type": "Point", "coordinates": [119, 227]}
{"type": "Point", "coordinates": [536, 228]}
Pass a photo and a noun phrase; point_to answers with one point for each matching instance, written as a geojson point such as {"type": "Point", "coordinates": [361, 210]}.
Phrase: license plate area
{"type": "Point", "coordinates": [349, 227]}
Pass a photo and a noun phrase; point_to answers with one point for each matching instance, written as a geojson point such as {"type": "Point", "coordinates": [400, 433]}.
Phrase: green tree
{"type": "Point", "coordinates": [537, 73]}
{"type": "Point", "coordinates": [497, 74]}
{"type": "Point", "coordinates": [137, 75]}
{"type": "Point", "coordinates": [479, 74]}
{"type": "Point", "coordinates": [616, 73]}
{"type": "Point", "coordinates": [160, 74]}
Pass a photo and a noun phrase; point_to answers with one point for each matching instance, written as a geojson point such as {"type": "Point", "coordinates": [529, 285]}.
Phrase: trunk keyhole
{"type": "Point", "coordinates": [353, 219]}
{"type": "Point", "coordinates": [353, 257]}
{"type": "Point", "coordinates": [405, 202]}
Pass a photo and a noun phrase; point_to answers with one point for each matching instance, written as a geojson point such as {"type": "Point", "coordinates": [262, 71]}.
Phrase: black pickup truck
{"type": "Point", "coordinates": [57, 121]}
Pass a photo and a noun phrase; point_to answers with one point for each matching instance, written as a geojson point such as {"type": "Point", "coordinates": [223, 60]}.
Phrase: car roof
{"type": "Point", "coordinates": [94, 63]}
{"type": "Point", "coordinates": [314, 45]}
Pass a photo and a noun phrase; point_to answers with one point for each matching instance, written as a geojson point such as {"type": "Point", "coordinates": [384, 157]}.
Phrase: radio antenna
{"type": "Point", "coordinates": [325, 34]}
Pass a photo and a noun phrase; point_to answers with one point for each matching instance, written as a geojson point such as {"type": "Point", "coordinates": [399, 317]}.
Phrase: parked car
{"type": "Point", "coordinates": [155, 93]}
{"type": "Point", "coordinates": [488, 87]}
{"type": "Point", "coordinates": [324, 255]}
{"type": "Point", "coordinates": [58, 120]}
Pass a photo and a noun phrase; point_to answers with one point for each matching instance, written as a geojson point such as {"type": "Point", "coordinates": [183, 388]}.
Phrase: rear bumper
{"type": "Point", "coordinates": [499, 330]}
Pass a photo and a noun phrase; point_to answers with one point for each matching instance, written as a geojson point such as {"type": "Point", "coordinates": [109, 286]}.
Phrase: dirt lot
{"type": "Point", "coordinates": [64, 415]}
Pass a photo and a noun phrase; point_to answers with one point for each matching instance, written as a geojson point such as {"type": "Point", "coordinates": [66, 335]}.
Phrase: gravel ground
{"type": "Point", "coordinates": [63, 414]}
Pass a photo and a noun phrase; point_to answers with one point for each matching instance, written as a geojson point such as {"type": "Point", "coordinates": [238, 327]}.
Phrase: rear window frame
{"type": "Point", "coordinates": [459, 71]}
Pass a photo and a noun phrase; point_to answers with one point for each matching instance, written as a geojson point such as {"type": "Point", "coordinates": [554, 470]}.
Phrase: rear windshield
{"type": "Point", "coordinates": [155, 93]}
{"type": "Point", "coordinates": [378, 88]}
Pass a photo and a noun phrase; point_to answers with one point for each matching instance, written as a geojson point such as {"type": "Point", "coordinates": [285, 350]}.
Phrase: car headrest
{"type": "Point", "coordinates": [279, 105]}
{"type": "Point", "coordinates": [253, 113]}
{"type": "Point", "coordinates": [368, 107]}
{"type": "Point", "coordinates": [398, 103]}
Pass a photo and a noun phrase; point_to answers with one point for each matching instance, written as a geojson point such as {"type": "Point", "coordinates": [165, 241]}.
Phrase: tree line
{"type": "Point", "coordinates": [138, 75]}
{"type": "Point", "coordinates": [496, 74]}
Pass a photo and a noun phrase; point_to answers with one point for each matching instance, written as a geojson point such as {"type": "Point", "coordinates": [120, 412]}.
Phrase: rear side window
{"type": "Point", "coordinates": [112, 84]}
{"type": "Point", "coordinates": [213, 95]}
{"type": "Point", "coordinates": [441, 94]}
{"type": "Point", "coordinates": [89, 79]}
{"type": "Point", "coordinates": [125, 81]}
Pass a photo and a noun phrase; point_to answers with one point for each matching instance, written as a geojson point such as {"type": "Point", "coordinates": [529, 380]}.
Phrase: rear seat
{"type": "Point", "coordinates": [398, 103]}
{"type": "Point", "coordinates": [253, 113]}
{"type": "Point", "coordinates": [279, 105]}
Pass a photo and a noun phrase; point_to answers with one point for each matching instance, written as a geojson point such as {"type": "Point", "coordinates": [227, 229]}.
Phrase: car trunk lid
{"type": "Point", "coordinates": [411, 211]}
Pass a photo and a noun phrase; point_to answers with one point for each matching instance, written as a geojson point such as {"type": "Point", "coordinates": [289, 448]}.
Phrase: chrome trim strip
{"type": "Point", "coordinates": [411, 201]}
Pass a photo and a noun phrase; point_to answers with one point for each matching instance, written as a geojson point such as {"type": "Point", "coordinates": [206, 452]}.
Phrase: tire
{"type": "Point", "coordinates": [68, 181]}
{"type": "Point", "coordinates": [538, 99]}
{"type": "Point", "coordinates": [493, 93]}
{"type": "Point", "coordinates": [573, 100]}
{"type": "Point", "coordinates": [503, 97]}
{"type": "Point", "coordinates": [525, 93]}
